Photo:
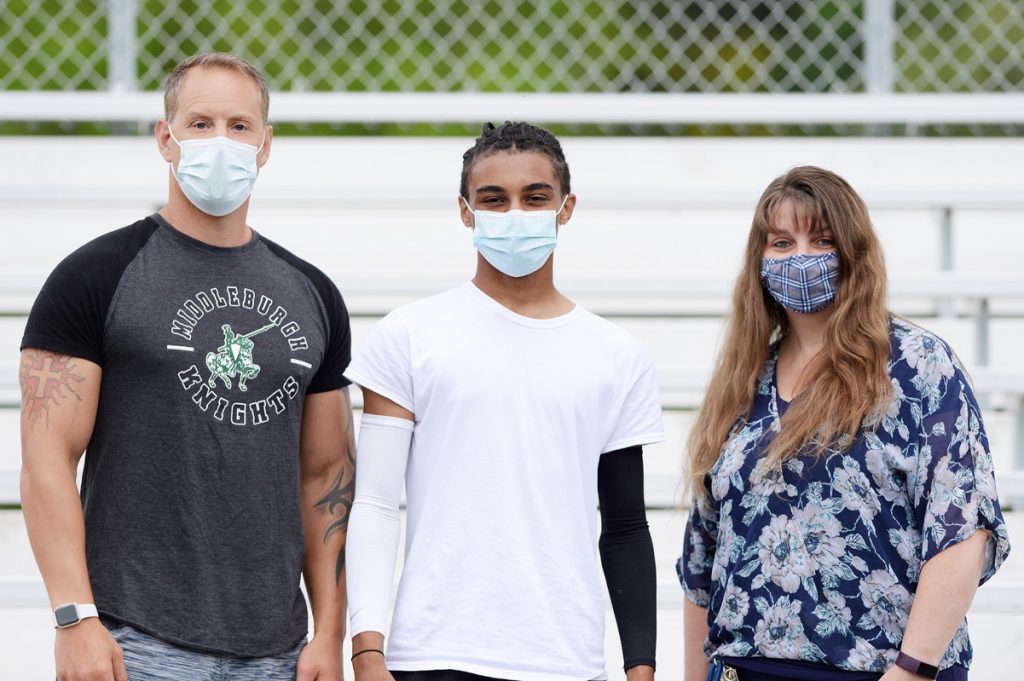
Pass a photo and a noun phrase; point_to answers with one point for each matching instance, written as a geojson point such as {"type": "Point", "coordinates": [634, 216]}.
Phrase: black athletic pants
{"type": "Point", "coordinates": [440, 675]}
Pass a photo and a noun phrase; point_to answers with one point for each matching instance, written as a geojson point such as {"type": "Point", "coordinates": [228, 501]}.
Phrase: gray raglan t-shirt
{"type": "Point", "coordinates": [191, 483]}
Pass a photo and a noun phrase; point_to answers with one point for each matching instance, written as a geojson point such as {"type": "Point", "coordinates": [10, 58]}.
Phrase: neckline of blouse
{"type": "Point", "coordinates": [779, 405]}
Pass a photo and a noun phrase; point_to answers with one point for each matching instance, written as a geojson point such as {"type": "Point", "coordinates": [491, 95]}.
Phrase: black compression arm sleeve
{"type": "Point", "coordinates": [627, 553]}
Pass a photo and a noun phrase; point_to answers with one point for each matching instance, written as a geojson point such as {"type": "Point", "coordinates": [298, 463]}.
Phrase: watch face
{"type": "Point", "coordinates": [66, 615]}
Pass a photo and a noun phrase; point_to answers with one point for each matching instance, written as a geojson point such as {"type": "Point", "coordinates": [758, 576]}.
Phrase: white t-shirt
{"type": "Point", "coordinates": [512, 414]}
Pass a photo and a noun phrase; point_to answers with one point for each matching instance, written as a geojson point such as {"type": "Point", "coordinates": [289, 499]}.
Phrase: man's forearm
{"type": "Point", "coordinates": [56, 529]}
{"type": "Point", "coordinates": [326, 502]}
{"type": "Point", "coordinates": [627, 556]}
{"type": "Point", "coordinates": [327, 469]}
{"type": "Point", "coordinates": [384, 443]}
{"type": "Point", "coordinates": [629, 567]}
{"type": "Point", "coordinates": [944, 594]}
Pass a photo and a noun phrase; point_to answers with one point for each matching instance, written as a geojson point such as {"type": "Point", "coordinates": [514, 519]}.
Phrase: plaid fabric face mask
{"type": "Point", "coordinates": [802, 283]}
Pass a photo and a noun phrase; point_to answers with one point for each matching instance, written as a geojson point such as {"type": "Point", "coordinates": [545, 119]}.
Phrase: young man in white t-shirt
{"type": "Point", "coordinates": [509, 412]}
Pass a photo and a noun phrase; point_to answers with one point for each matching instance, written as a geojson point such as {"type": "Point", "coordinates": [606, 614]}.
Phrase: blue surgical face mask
{"type": "Point", "coordinates": [802, 283]}
{"type": "Point", "coordinates": [216, 174]}
{"type": "Point", "coordinates": [516, 242]}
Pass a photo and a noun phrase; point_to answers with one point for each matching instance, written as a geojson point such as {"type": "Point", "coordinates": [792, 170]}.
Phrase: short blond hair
{"type": "Point", "coordinates": [221, 60]}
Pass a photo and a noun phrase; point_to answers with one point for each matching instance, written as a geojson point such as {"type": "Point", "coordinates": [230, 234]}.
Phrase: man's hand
{"type": "Point", "coordinates": [370, 667]}
{"type": "Point", "coordinates": [320, 660]}
{"type": "Point", "coordinates": [641, 672]}
{"type": "Point", "coordinates": [87, 652]}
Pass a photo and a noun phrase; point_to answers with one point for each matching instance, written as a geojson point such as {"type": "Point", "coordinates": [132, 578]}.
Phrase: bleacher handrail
{"type": "Point", "coordinates": [616, 108]}
{"type": "Point", "coordinates": [646, 196]}
{"type": "Point", "coordinates": [667, 297]}
{"type": "Point", "coordinates": [28, 591]}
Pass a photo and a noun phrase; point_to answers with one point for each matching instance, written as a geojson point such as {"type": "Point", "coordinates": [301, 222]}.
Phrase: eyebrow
{"type": "Point", "coordinates": [495, 189]}
{"type": "Point", "coordinates": [201, 113]}
{"type": "Point", "coordinates": [775, 231]}
{"type": "Point", "coordinates": [536, 186]}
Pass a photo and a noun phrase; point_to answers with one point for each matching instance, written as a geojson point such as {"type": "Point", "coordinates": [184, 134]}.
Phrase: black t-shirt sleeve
{"type": "Point", "coordinates": [627, 553]}
{"type": "Point", "coordinates": [70, 312]}
{"type": "Point", "coordinates": [338, 354]}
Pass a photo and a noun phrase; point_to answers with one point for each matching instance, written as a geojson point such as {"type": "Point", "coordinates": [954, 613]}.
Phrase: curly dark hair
{"type": "Point", "coordinates": [516, 136]}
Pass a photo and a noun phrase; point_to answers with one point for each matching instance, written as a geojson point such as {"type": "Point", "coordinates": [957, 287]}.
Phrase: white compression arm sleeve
{"type": "Point", "coordinates": [374, 527]}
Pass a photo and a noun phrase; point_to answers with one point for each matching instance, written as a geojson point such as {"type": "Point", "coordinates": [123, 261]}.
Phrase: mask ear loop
{"type": "Point", "coordinates": [170, 164]}
{"type": "Point", "coordinates": [470, 209]}
{"type": "Point", "coordinates": [560, 209]}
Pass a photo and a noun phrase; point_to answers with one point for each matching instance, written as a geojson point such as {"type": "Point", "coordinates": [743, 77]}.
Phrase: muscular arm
{"type": "Point", "coordinates": [59, 397]}
{"type": "Point", "coordinates": [327, 478]}
{"type": "Point", "coordinates": [947, 586]}
{"type": "Point", "coordinates": [627, 556]}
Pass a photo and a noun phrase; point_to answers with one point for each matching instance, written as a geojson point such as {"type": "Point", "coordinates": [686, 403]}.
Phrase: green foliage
{"type": "Point", "coordinates": [519, 46]}
{"type": "Point", "coordinates": [49, 44]}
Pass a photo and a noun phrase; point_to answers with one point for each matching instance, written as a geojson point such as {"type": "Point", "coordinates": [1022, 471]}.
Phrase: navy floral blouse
{"type": "Point", "coordinates": [818, 559]}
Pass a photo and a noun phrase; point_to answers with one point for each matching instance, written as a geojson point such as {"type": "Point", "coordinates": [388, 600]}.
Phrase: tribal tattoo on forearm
{"type": "Point", "coordinates": [337, 502]}
{"type": "Point", "coordinates": [47, 380]}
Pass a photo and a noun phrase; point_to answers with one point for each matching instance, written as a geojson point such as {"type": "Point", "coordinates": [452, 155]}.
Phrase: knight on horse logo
{"type": "Point", "coordinates": [234, 358]}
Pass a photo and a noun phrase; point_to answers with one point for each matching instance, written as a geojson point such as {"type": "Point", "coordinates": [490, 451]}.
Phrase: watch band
{"type": "Point", "coordinates": [915, 666]}
{"type": "Point", "coordinates": [69, 614]}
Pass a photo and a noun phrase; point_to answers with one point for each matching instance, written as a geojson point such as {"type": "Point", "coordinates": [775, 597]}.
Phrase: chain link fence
{"type": "Point", "coordinates": [806, 46]}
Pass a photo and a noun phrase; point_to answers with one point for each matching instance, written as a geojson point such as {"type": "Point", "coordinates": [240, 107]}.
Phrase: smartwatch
{"type": "Point", "coordinates": [915, 666]}
{"type": "Point", "coordinates": [70, 614]}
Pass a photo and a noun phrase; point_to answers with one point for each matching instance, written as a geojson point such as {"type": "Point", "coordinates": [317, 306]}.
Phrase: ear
{"type": "Point", "coordinates": [567, 209]}
{"type": "Point", "coordinates": [264, 154]}
{"type": "Point", "coordinates": [465, 213]}
{"type": "Point", "coordinates": [164, 144]}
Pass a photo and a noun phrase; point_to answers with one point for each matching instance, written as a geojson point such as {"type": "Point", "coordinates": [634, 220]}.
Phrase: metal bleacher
{"type": "Point", "coordinates": [654, 245]}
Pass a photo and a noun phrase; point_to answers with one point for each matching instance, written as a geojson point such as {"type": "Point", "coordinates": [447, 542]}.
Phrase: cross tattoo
{"type": "Point", "coordinates": [54, 376]}
{"type": "Point", "coordinates": [46, 373]}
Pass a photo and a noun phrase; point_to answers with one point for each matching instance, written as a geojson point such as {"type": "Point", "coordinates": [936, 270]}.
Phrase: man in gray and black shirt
{"type": "Point", "coordinates": [200, 369]}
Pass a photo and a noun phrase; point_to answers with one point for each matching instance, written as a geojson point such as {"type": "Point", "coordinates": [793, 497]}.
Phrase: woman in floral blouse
{"type": "Point", "coordinates": [842, 523]}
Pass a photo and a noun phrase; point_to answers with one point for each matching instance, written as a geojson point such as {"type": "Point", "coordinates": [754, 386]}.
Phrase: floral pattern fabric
{"type": "Point", "coordinates": [817, 559]}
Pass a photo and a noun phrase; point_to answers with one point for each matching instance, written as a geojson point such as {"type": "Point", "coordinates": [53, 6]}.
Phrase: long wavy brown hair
{"type": "Point", "coordinates": [848, 381]}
